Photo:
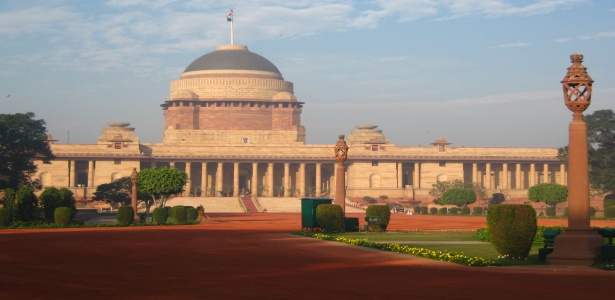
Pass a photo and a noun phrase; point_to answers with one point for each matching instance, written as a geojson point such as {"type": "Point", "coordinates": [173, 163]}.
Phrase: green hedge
{"type": "Point", "coordinates": [609, 202]}
{"type": "Point", "coordinates": [550, 211]}
{"type": "Point", "coordinates": [592, 211]}
{"type": "Point", "coordinates": [424, 210]}
{"type": "Point", "coordinates": [161, 214]}
{"type": "Point", "coordinates": [609, 212]}
{"type": "Point", "coordinates": [63, 215]}
{"type": "Point", "coordinates": [381, 211]}
{"type": "Point", "coordinates": [417, 210]}
{"type": "Point", "coordinates": [177, 215]}
{"type": "Point", "coordinates": [442, 211]}
{"type": "Point", "coordinates": [465, 210]}
{"type": "Point", "coordinates": [453, 210]}
{"type": "Point", "coordinates": [5, 217]}
{"type": "Point", "coordinates": [330, 217]}
{"type": "Point", "coordinates": [125, 215]}
{"type": "Point", "coordinates": [191, 214]}
{"type": "Point", "coordinates": [433, 210]}
{"type": "Point", "coordinates": [512, 228]}
{"type": "Point", "coordinates": [477, 210]}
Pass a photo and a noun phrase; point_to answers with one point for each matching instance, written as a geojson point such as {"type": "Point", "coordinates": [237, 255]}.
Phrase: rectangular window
{"type": "Point", "coordinates": [117, 145]}
{"type": "Point", "coordinates": [442, 164]}
{"type": "Point", "coordinates": [117, 161]}
{"type": "Point", "coordinates": [374, 163]}
{"type": "Point", "coordinates": [374, 147]}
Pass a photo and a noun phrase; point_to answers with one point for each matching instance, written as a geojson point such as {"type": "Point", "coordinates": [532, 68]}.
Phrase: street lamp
{"type": "Point", "coordinates": [579, 244]}
{"type": "Point", "coordinates": [341, 154]}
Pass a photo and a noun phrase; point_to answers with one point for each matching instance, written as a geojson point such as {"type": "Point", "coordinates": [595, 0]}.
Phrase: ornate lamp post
{"type": "Point", "coordinates": [341, 154]}
{"type": "Point", "coordinates": [133, 178]}
{"type": "Point", "coordinates": [578, 244]}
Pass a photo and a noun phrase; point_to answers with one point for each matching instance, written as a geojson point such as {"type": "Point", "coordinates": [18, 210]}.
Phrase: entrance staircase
{"type": "Point", "coordinates": [248, 203]}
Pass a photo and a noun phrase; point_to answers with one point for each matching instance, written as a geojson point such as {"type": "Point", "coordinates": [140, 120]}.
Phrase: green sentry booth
{"type": "Point", "coordinates": [308, 211]}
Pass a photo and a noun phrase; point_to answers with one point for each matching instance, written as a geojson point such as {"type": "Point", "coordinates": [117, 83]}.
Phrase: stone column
{"type": "Point", "coordinates": [318, 190]}
{"type": "Point", "coordinates": [172, 164]}
{"type": "Point", "coordinates": [545, 175]}
{"type": "Point", "coordinates": [133, 195]}
{"type": "Point", "coordinates": [505, 175]}
{"type": "Point", "coordinates": [519, 184]}
{"type": "Point", "coordinates": [400, 175]}
{"type": "Point", "coordinates": [73, 173]}
{"type": "Point", "coordinates": [416, 177]}
{"type": "Point", "coordinates": [488, 176]}
{"type": "Point", "coordinates": [203, 179]}
{"type": "Point", "coordinates": [236, 179]}
{"type": "Point", "coordinates": [91, 173]}
{"type": "Point", "coordinates": [301, 180]}
{"type": "Point", "coordinates": [531, 176]}
{"type": "Point", "coordinates": [562, 174]}
{"type": "Point", "coordinates": [287, 181]}
{"type": "Point", "coordinates": [219, 178]}
{"type": "Point", "coordinates": [341, 154]}
{"type": "Point", "coordinates": [475, 173]}
{"type": "Point", "coordinates": [254, 187]}
{"type": "Point", "coordinates": [270, 179]}
{"type": "Point", "coordinates": [189, 181]}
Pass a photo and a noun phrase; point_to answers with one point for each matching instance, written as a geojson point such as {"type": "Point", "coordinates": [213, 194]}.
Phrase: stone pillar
{"type": "Point", "coordinates": [254, 187]}
{"type": "Point", "coordinates": [133, 195]}
{"type": "Point", "coordinates": [416, 177]}
{"type": "Point", "coordinates": [579, 244]}
{"type": "Point", "coordinates": [73, 173]}
{"type": "Point", "coordinates": [286, 178]}
{"type": "Point", "coordinates": [318, 190]}
{"type": "Point", "coordinates": [475, 173]}
{"type": "Point", "coordinates": [203, 179]}
{"type": "Point", "coordinates": [219, 178]}
{"type": "Point", "coordinates": [545, 174]}
{"type": "Point", "coordinates": [532, 175]}
{"type": "Point", "coordinates": [172, 164]}
{"type": "Point", "coordinates": [235, 179]}
{"type": "Point", "coordinates": [400, 175]}
{"type": "Point", "coordinates": [270, 179]}
{"type": "Point", "coordinates": [505, 175]}
{"type": "Point", "coordinates": [562, 174]}
{"type": "Point", "coordinates": [341, 154]}
{"type": "Point", "coordinates": [189, 181]}
{"type": "Point", "coordinates": [488, 176]}
{"type": "Point", "coordinates": [518, 183]}
{"type": "Point", "coordinates": [301, 180]}
{"type": "Point", "coordinates": [91, 173]}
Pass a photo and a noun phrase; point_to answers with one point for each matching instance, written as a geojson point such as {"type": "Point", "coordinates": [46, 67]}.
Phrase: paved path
{"type": "Point", "coordinates": [252, 256]}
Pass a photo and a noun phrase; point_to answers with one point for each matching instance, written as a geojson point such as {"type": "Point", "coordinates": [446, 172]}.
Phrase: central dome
{"type": "Point", "coordinates": [232, 57]}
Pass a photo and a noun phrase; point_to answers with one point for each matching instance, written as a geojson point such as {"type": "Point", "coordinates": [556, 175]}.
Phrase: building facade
{"type": "Point", "coordinates": [234, 125]}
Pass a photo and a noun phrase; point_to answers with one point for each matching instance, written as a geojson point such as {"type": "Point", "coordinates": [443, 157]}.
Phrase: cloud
{"type": "Point", "coordinates": [35, 20]}
{"type": "Point", "coordinates": [512, 45]}
{"type": "Point", "coordinates": [601, 35]}
{"type": "Point", "coordinates": [563, 40]}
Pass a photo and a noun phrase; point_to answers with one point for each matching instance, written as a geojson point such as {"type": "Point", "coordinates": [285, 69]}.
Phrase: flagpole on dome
{"type": "Point", "coordinates": [229, 18]}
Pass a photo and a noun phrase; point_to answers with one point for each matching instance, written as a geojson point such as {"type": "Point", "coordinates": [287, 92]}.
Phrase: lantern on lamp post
{"type": "Point", "coordinates": [341, 154]}
{"type": "Point", "coordinates": [579, 244]}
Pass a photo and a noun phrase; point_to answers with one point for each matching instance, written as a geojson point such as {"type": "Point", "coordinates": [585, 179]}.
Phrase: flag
{"type": "Point", "coordinates": [229, 17]}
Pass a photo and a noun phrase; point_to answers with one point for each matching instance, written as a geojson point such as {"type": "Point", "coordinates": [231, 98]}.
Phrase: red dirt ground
{"type": "Point", "coordinates": [253, 256]}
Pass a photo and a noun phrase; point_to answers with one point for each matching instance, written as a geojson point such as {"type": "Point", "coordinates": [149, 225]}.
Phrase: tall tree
{"type": "Point", "coordinates": [22, 140]}
{"type": "Point", "coordinates": [160, 184]}
{"type": "Point", "coordinates": [549, 193]}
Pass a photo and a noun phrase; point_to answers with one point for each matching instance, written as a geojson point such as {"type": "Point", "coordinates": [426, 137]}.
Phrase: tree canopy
{"type": "Point", "coordinates": [23, 139]}
{"type": "Point", "coordinates": [439, 188]}
{"type": "Point", "coordinates": [458, 197]}
{"type": "Point", "coordinates": [549, 193]}
{"type": "Point", "coordinates": [160, 184]}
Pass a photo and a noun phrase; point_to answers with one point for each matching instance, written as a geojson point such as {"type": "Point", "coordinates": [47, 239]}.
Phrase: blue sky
{"type": "Point", "coordinates": [477, 72]}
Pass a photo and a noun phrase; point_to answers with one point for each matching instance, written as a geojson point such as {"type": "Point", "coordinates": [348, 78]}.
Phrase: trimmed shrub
{"type": "Point", "coordinates": [424, 210]}
{"type": "Point", "coordinates": [383, 197]}
{"type": "Point", "coordinates": [62, 215]}
{"type": "Point", "coordinates": [465, 210]}
{"type": "Point", "coordinates": [177, 215]}
{"type": "Point", "coordinates": [453, 210]}
{"type": "Point", "coordinates": [442, 211]}
{"type": "Point", "coordinates": [592, 211]}
{"type": "Point", "coordinates": [381, 211]}
{"type": "Point", "coordinates": [477, 210]}
{"type": "Point", "coordinates": [512, 228]}
{"type": "Point", "coordinates": [330, 217]}
{"type": "Point", "coordinates": [125, 215]}
{"type": "Point", "coordinates": [161, 214]}
{"type": "Point", "coordinates": [550, 212]}
{"type": "Point", "coordinates": [191, 214]}
{"type": "Point", "coordinates": [5, 217]}
{"type": "Point", "coordinates": [609, 212]}
{"type": "Point", "coordinates": [433, 211]}
{"type": "Point", "coordinates": [609, 202]}
{"type": "Point", "coordinates": [417, 210]}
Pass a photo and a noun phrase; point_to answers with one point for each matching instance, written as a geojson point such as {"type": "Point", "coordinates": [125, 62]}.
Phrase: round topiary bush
{"type": "Point", "coordinates": [417, 209]}
{"type": "Point", "coordinates": [177, 214]}
{"type": "Point", "coordinates": [453, 210]}
{"type": "Point", "coordinates": [191, 214]}
{"type": "Point", "coordinates": [442, 211]}
{"type": "Point", "coordinates": [381, 211]}
{"type": "Point", "coordinates": [161, 214]}
{"type": "Point", "coordinates": [477, 210]}
{"type": "Point", "coordinates": [330, 217]}
{"type": "Point", "coordinates": [424, 210]}
{"type": "Point", "coordinates": [609, 212]}
{"type": "Point", "coordinates": [125, 215]}
{"type": "Point", "coordinates": [5, 217]}
{"type": "Point", "coordinates": [550, 211]}
{"type": "Point", "coordinates": [512, 228]}
{"type": "Point", "coordinates": [63, 215]}
{"type": "Point", "coordinates": [433, 211]}
{"type": "Point", "coordinates": [465, 210]}
{"type": "Point", "coordinates": [609, 202]}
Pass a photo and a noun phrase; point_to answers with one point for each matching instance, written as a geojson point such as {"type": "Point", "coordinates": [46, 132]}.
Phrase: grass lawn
{"type": "Point", "coordinates": [486, 250]}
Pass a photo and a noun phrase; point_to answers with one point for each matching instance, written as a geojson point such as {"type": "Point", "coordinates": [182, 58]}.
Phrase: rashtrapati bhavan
{"type": "Point", "coordinates": [234, 125]}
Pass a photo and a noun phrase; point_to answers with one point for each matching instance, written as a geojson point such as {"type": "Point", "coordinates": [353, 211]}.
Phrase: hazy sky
{"type": "Point", "coordinates": [476, 72]}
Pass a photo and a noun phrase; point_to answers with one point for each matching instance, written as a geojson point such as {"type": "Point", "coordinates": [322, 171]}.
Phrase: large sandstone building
{"type": "Point", "coordinates": [234, 125]}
